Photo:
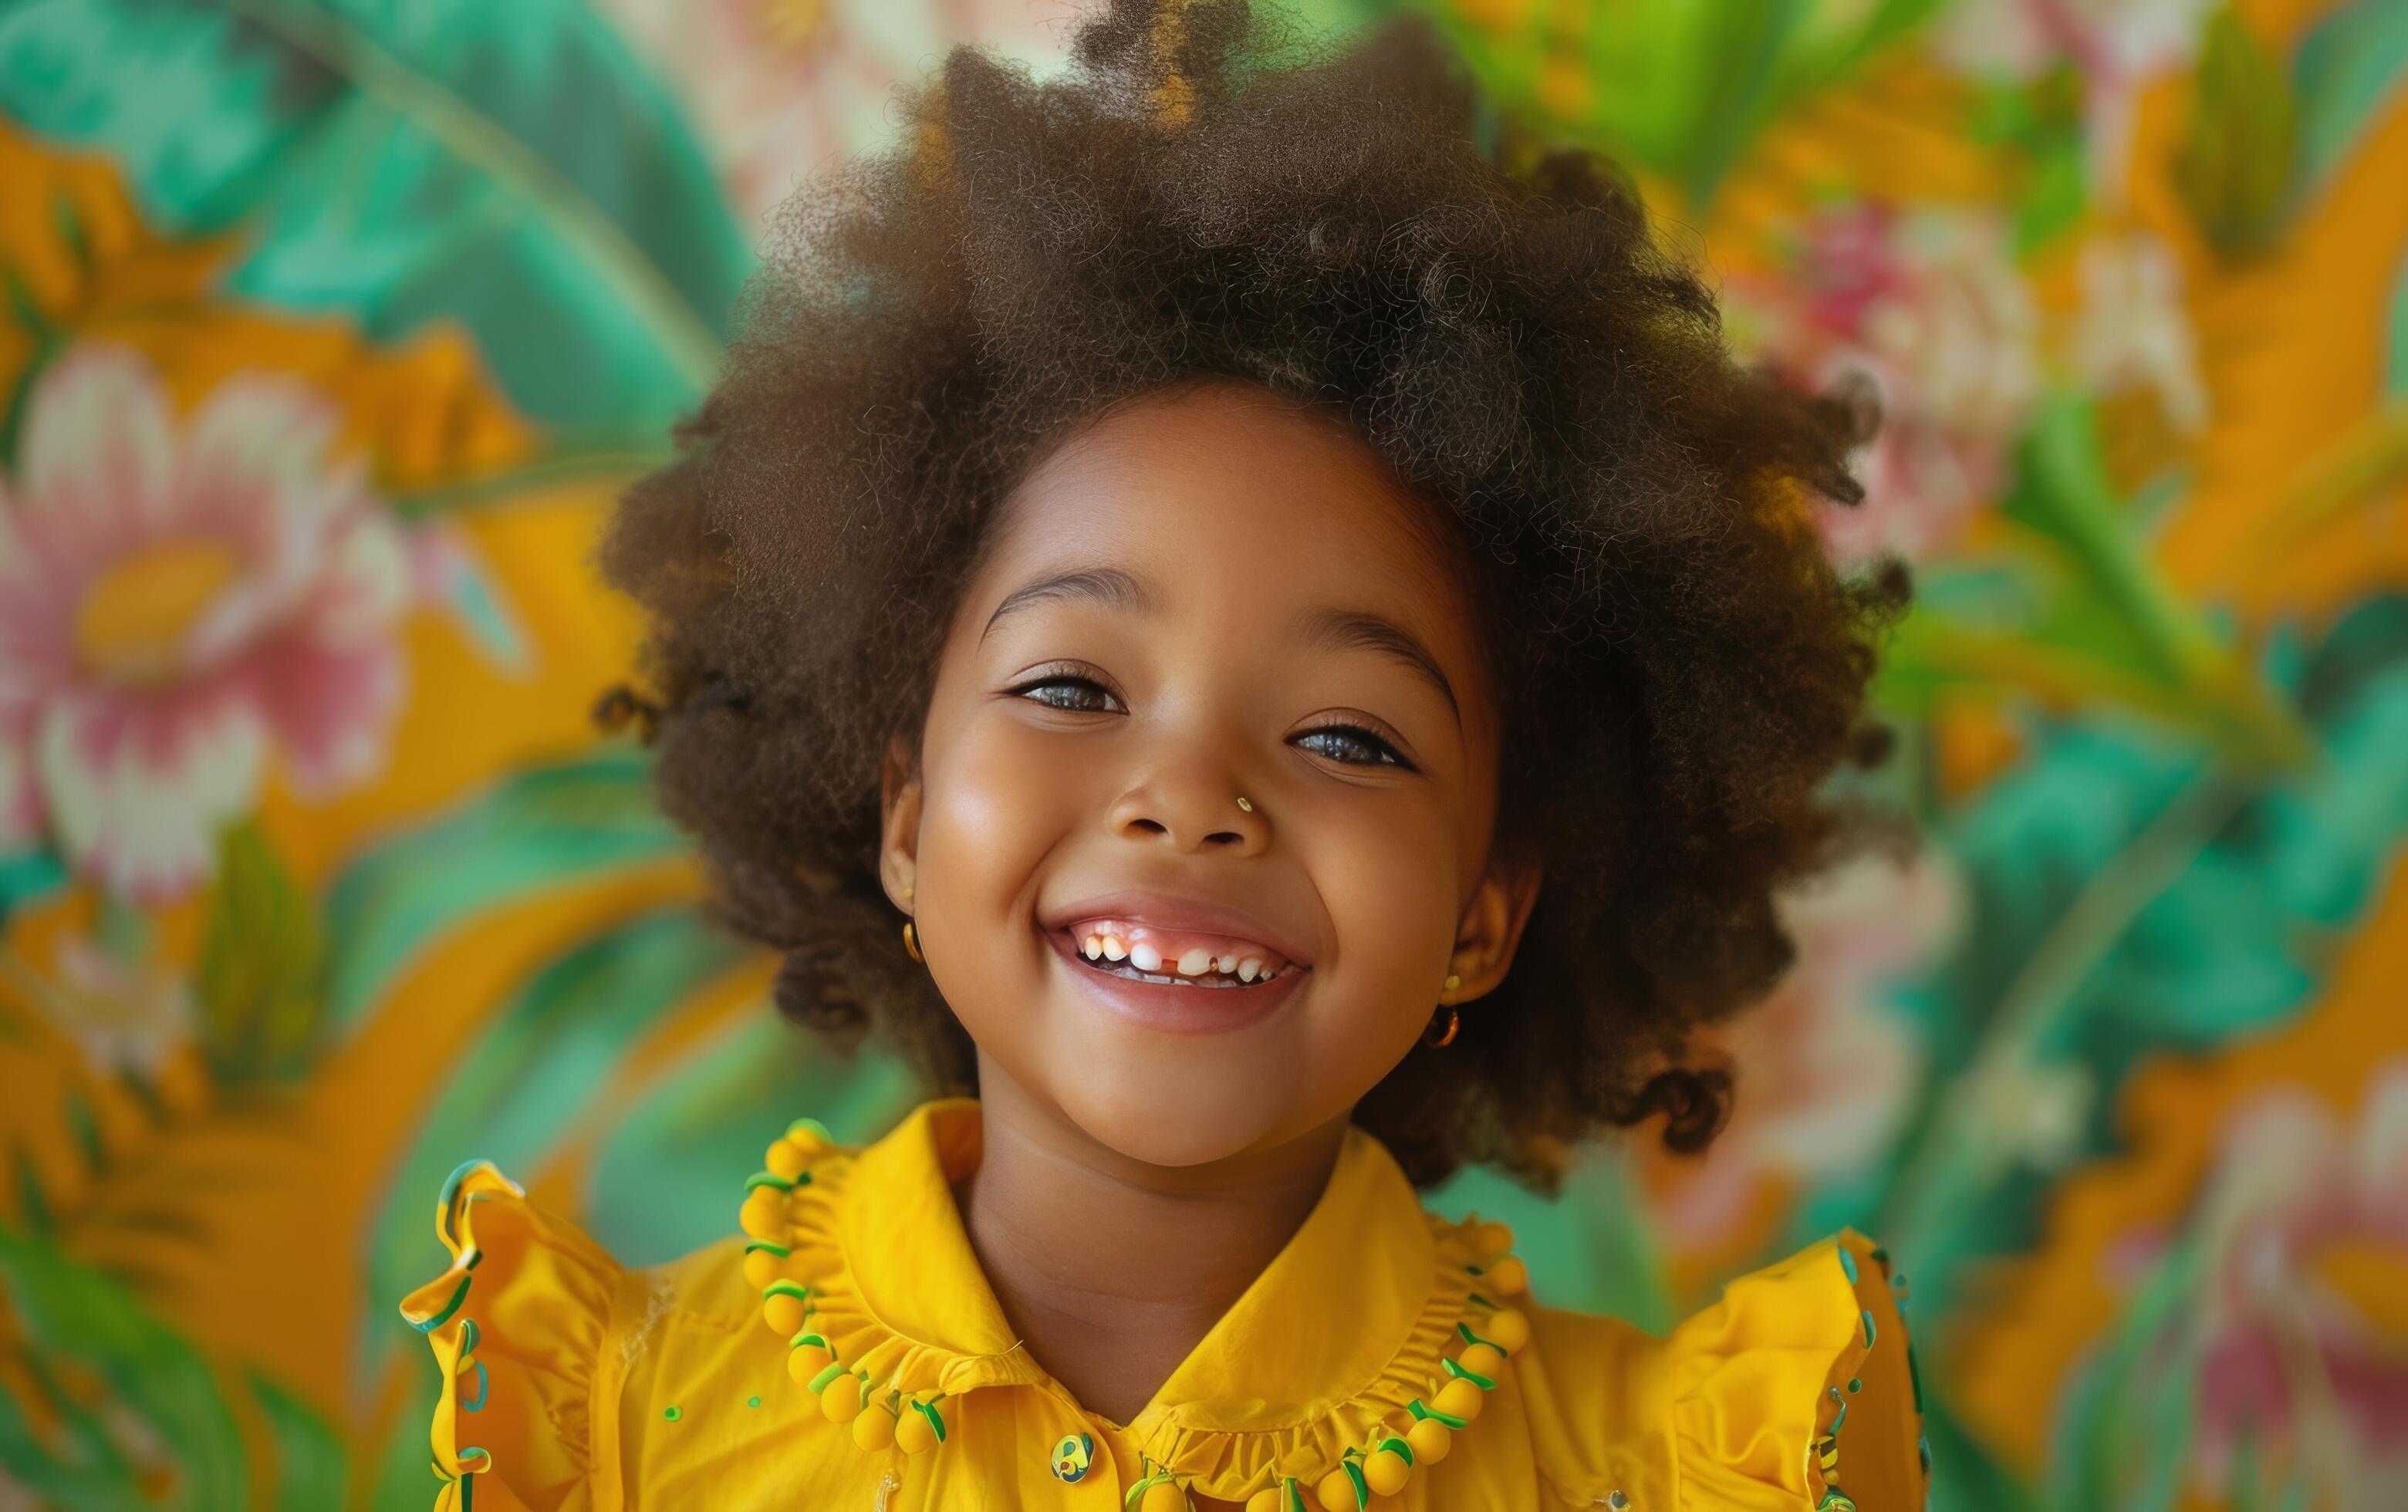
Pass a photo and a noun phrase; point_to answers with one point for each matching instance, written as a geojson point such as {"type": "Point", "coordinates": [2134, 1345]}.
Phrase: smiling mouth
{"type": "Point", "coordinates": [1211, 981]}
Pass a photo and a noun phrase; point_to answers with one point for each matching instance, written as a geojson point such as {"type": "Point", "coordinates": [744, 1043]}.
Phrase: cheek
{"type": "Point", "coordinates": [992, 809]}
{"type": "Point", "coordinates": [1387, 874]}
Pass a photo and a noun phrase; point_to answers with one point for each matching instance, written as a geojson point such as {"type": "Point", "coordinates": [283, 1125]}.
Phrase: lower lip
{"type": "Point", "coordinates": [1177, 1010]}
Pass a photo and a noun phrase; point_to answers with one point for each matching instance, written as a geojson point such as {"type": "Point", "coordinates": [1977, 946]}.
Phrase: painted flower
{"type": "Point", "coordinates": [174, 602]}
{"type": "Point", "coordinates": [2133, 332]}
{"type": "Point", "coordinates": [784, 87]}
{"type": "Point", "coordinates": [1928, 306]}
{"type": "Point", "coordinates": [2303, 1314]}
{"type": "Point", "coordinates": [2116, 44]}
{"type": "Point", "coordinates": [122, 1015]}
{"type": "Point", "coordinates": [1825, 1069]}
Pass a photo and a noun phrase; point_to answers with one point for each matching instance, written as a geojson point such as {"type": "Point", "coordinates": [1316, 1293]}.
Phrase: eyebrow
{"type": "Point", "coordinates": [1327, 627]}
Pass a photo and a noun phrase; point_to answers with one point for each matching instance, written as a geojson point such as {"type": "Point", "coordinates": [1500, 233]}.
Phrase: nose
{"type": "Point", "coordinates": [1192, 810]}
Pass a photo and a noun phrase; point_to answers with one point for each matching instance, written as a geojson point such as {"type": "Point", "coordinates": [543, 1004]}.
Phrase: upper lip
{"type": "Point", "coordinates": [1164, 911]}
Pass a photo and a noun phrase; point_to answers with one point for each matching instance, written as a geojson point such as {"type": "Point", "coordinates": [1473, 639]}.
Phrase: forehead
{"type": "Point", "coordinates": [1223, 480]}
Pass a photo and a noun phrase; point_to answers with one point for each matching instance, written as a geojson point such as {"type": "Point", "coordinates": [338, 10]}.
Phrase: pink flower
{"type": "Point", "coordinates": [2303, 1330]}
{"type": "Point", "coordinates": [782, 88]}
{"type": "Point", "coordinates": [174, 602]}
{"type": "Point", "coordinates": [1824, 1068]}
{"type": "Point", "coordinates": [1930, 308]}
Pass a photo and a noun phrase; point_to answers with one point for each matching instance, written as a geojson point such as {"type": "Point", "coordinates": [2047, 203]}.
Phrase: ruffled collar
{"type": "Point", "coordinates": [1344, 1328]}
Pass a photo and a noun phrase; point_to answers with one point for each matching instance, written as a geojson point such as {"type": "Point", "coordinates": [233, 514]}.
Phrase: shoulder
{"type": "Point", "coordinates": [1795, 1391]}
{"type": "Point", "coordinates": [517, 1322]}
{"type": "Point", "coordinates": [539, 1333]}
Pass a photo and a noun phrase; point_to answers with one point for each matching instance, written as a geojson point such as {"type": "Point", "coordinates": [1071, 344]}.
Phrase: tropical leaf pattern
{"type": "Point", "coordinates": [328, 330]}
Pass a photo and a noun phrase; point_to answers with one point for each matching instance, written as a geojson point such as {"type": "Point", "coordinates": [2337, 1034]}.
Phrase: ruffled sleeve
{"type": "Point", "coordinates": [1797, 1390]}
{"type": "Point", "coordinates": [518, 1325]}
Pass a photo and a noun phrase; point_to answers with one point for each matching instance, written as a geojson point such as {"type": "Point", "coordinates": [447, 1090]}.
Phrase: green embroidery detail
{"type": "Point", "coordinates": [1473, 1375]}
{"type": "Point", "coordinates": [936, 1419]}
{"type": "Point", "coordinates": [778, 1249]}
{"type": "Point", "coordinates": [1450, 1419]}
{"type": "Point", "coordinates": [673, 1412]}
{"type": "Point", "coordinates": [1354, 1474]}
{"type": "Point", "coordinates": [768, 1178]}
{"type": "Point", "coordinates": [459, 1295]}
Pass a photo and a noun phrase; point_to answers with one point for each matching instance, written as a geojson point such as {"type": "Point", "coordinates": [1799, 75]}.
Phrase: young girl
{"type": "Point", "coordinates": [1328, 662]}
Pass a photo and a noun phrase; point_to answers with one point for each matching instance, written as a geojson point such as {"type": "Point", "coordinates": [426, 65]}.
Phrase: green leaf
{"type": "Point", "coordinates": [2083, 616]}
{"type": "Point", "coordinates": [2054, 197]}
{"type": "Point", "coordinates": [2125, 1416]}
{"type": "Point", "coordinates": [75, 1462]}
{"type": "Point", "coordinates": [2238, 167]}
{"type": "Point", "coordinates": [668, 1176]}
{"type": "Point", "coordinates": [2347, 71]}
{"type": "Point", "coordinates": [309, 1451]}
{"type": "Point", "coordinates": [1685, 88]}
{"type": "Point", "coordinates": [260, 984]}
{"type": "Point", "coordinates": [2138, 896]}
{"type": "Point", "coordinates": [29, 877]}
{"type": "Point", "coordinates": [2395, 382]}
{"type": "Point", "coordinates": [547, 827]}
{"type": "Point", "coordinates": [509, 166]}
{"type": "Point", "coordinates": [71, 1313]}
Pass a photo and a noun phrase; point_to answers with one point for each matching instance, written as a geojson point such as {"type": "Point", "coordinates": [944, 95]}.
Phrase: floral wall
{"type": "Point", "coordinates": [330, 329]}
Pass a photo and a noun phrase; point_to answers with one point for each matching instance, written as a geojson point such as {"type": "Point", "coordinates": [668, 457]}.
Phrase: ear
{"type": "Point", "coordinates": [1491, 930]}
{"type": "Point", "coordinates": [899, 806]}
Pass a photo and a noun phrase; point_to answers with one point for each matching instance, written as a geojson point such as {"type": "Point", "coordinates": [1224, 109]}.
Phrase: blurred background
{"type": "Point", "coordinates": [330, 330]}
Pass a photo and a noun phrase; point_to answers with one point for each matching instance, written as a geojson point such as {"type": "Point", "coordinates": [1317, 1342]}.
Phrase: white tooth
{"type": "Point", "coordinates": [1250, 968]}
{"type": "Point", "coordinates": [1145, 957]}
{"type": "Point", "coordinates": [1094, 947]}
{"type": "Point", "coordinates": [1195, 963]}
{"type": "Point", "coordinates": [1114, 949]}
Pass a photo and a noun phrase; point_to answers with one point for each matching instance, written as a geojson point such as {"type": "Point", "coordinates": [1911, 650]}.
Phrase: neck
{"type": "Point", "coordinates": [1110, 1270]}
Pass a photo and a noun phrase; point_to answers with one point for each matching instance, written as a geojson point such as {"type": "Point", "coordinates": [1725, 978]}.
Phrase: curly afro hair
{"type": "Point", "coordinates": [1207, 193]}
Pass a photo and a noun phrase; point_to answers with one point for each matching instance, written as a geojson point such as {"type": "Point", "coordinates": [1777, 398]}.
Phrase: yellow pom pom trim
{"type": "Point", "coordinates": [1381, 1466]}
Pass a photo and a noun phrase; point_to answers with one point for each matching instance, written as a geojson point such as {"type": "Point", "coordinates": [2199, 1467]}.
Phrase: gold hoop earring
{"type": "Point", "coordinates": [1453, 1022]}
{"type": "Point", "coordinates": [912, 941]}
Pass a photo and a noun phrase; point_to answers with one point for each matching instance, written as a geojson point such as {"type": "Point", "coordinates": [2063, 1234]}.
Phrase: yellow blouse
{"type": "Point", "coordinates": [849, 1353]}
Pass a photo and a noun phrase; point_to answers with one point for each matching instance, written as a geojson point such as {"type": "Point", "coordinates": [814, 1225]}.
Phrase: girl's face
{"type": "Point", "coordinates": [1205, 595]}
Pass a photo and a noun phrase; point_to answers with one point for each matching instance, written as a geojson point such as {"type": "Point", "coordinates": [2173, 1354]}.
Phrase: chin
{"type": "Point", "coordinates": [1179, 1119]}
